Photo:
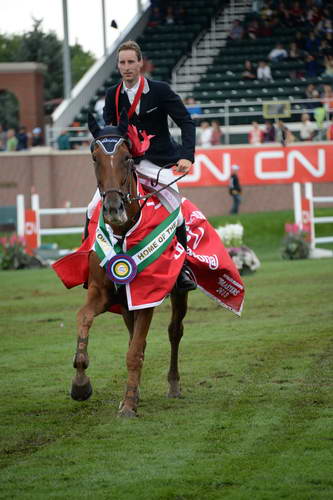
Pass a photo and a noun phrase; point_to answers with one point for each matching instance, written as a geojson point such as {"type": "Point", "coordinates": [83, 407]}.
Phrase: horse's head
{"type": "Point", "coordinates": [113, 168]}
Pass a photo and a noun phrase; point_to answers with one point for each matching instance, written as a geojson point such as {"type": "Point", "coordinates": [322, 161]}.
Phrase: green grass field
{"type": "Point", "coordinates": [256, 418]}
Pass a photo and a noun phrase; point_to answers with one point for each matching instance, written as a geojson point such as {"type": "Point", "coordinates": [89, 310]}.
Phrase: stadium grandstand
{"type": "Point", "coordinates": [213, 51]}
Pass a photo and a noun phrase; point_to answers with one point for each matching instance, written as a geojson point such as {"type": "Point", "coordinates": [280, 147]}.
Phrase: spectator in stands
{"type": "Point", "coordinates": [283, 134]}
{"type": "Point", "coordinates": [99, 106]}
{"type": "Point", "coordinates": [309, 91]}
{"type": "Point", "coordinates": [169, 15]}
{"type": "Point", "coordinates": [312, 43]}
{"type": "Point", "coordinates": [22, 139]}
{"type": "Point", "coordinates": [63, 140]}
{"type": "Point", "coordinates": [235, 190]}
{"type": "Point", "coordinates": [269, 132]}
{"type": "Point", "coordinates": [180, 15]}
{"type": "Point", "coordinates": [324, 48]}
{"type": "Point", "coordinates": [37, 138]}
{"type": "Point", "coordinates": [266, 12]}
{"type": "Point", "coordinates": [253, 30]}
{"type": "Point", "coordinates": [155, 17]}
{"type": "Point", "coordinates": [264, 72]}
{"type": "Point", "coordinates": [313, 15]}
{"type": "Point", "coordinates": [300, 40]}
{"type": "Point", "coordinates": [216, 138]}
{"type": "Point", "coordinates": [12, 141]}
{"type": "Point", "coordinates": [256, 135]}
{"type": "Point", "coordinates": [327, 99]}
{"type": "Point", "coordinates": [73, 134]}
{"type": "Point", "coordinates": [307, 128]}
{"type": "Point", "coordinates": [297, 14]}
{"type": "Point", "coordinates": [237, 31]}
{"type": "Point", "coordinates": [294, 52]}
{"type": "Point", "coordinates": [312, 67]}
{"type": "Point", "coordinates": [278, 53]}
{"type": "Point", "coordinates": [328, 64]}
{"type": "Point", "coordinates": [3, 138]}
{"type": "Point", "coordinates": [205, 135]}
{"type": "Point", "coordinates": [192, 107]}
{"type": "Point", "coordinates": [319, 114]}
{"type": "Point", "coordinates": [324, 26]}
{"type": "Point", "coordinates": [329, 132]}
{"type": "Point", "coordinates": [147, 68]}
{"type": "Point", "coordinates": [284, 16]}
{"type": "Point", "coordinates": [329, 39]}
{"type": "Point", "coordinates": [249, 72]}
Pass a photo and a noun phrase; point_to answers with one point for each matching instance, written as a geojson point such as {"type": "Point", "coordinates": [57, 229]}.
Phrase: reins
{"type": "Point", "coordinates": [156, 191]}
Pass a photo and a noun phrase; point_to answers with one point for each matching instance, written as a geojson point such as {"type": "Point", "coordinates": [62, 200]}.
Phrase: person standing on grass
{"type": "Point", "coordinates": [235, 190]}
{"type": "Point", "coordinates": [149, 104]}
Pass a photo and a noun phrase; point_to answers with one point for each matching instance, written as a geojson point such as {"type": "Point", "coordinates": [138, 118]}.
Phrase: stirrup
{"type": "Point", "coordinates": [184, 282]}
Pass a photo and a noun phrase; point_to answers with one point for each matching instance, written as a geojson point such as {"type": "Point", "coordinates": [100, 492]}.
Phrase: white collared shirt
{"type": "Point", "coordinates": [131, 95]}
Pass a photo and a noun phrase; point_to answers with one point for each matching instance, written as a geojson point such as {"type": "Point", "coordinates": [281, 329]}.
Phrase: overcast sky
{"type": "Point", "coordinates": [84, 19]}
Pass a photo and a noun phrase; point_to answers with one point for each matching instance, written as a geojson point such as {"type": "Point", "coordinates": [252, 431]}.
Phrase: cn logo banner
{"type": "Point", "coordinates": [262, 165]}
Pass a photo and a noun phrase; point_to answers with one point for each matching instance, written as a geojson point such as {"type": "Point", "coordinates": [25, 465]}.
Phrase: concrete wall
{"type": "Point", "coordinates": [26, 81]}
{"type": "Point", "coordinates": [67, 178]}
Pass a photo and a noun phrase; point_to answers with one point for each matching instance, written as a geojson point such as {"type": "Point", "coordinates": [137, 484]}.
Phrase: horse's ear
{"type": "Point", "coordinates": [93, 125]}
{"type": "Point", "coordinates": [123, 122]}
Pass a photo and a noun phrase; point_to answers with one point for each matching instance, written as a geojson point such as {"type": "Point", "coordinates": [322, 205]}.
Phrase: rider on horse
{"type": "Point", "coordinates": [149, 103]}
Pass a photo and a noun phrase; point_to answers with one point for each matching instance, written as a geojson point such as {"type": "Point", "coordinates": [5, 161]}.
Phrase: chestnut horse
{"type": "Point", "coordinates": [116, 179]}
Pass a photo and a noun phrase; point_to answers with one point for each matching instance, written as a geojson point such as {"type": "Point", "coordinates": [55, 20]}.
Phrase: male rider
{"type": "Point", "coordinates": [149, 104]}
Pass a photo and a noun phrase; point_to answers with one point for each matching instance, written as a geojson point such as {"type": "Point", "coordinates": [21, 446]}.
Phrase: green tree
{"type": "Point", "coordinates": [80, 62]}
{"type": "Point", "coordinates": [46, 48]}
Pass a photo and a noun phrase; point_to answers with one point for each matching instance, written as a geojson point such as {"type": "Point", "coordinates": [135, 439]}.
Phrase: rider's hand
{"type": "Point", "coordinates": [183, 166]}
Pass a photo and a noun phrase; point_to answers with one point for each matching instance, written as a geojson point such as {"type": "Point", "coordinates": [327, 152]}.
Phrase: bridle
{"type": "Point", "coordinates": [126, 197]}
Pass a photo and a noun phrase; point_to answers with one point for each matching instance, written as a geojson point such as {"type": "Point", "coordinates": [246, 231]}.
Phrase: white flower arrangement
{"type": "Point", "coordinates": [244, 258]}
{"type": "Point", "coordinates": [231, 234]}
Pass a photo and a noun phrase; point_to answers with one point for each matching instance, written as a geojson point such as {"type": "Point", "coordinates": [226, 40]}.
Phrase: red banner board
{"type": "Point", "coordinates": [262, 165]}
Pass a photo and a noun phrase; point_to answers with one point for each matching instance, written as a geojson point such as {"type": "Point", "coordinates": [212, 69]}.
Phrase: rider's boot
{"type": "Point", "coordinates": [184, 281]}
{"type": "Point", "coordinates": [85, 231]}
{"type": "Point", "coordinates": [84, 237]}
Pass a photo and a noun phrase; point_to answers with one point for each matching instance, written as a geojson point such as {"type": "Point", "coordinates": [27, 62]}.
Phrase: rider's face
{"type": "Point", "coordinates": [129, 67]}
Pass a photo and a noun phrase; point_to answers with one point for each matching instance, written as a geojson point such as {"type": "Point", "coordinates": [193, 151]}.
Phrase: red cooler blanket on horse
{"type": "Point", "coordinates": [209, 261]}
{"type": "Point", "coordinates": [211, 264]}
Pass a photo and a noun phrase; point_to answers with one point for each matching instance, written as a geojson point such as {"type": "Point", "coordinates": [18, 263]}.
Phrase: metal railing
{"type": "Point", "coordinates": [224, 112]}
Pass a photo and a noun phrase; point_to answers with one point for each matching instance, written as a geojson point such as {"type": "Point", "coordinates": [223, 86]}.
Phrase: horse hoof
{"type": "Point", "coordinates": [174, 394]}
{"type": "Point", "coordinates": [81, 392]}
{"type": "Point", "coordinates": [174, 390]}
{"type": "Point", "coordinates": [127, 412]}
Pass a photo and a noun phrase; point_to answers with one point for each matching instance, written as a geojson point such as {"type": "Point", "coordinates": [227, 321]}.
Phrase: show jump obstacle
{"type": "Point", "coordinates": [305, 219]}
{"type": "Point", "coordinates": [28, 221]}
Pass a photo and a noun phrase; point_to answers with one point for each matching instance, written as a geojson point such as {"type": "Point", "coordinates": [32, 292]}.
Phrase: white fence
{"type": "Point", "coordinates": [45, 211]}
{"type": "Point", "coordinates": [301, 218]}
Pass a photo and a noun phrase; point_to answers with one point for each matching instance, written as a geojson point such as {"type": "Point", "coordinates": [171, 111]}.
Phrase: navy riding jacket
{"type": "Point", "coordinates": [158, 102]}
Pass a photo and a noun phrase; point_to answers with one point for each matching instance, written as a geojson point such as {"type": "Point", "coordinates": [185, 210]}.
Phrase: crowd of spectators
{"type": "Point", "coordinates": [209, 134]}
{"type": "Point", "coordinates": [312, 21]}
{"type": "Point", "coordinates": [20, 139]}
{"type": "Point", "coordinates": [278, 131]}
{"type": "Point", "coordinates": [166, 12]}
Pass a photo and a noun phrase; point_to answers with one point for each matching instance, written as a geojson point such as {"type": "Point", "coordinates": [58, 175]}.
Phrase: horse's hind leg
{"type": "Point", "coordinates": [97, 303]}
{"type": "Point", "coordinates": [176, 329]}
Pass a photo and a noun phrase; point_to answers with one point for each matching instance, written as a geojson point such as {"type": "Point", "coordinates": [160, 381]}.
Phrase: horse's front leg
{"type": "Point", "coordinates": [134, 360]}
{"type": "Point", "coordinates": [97, 303]}
{"type": "Point", "coordinates": [176, 329]}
